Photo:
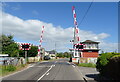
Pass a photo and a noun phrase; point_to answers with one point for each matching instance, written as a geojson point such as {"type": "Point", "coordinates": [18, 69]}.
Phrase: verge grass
{"type": "Point", "coordinates": [5, 70]}
{"type": "Point", "coordinates": [87, 65]}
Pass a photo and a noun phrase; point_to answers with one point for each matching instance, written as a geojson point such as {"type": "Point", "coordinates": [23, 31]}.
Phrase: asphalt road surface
{"type": "Point", "coordinates": [49, 70]}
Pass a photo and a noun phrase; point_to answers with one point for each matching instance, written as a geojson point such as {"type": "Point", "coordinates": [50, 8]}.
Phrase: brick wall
{"type": "Point", "coordinates": [90, 54]}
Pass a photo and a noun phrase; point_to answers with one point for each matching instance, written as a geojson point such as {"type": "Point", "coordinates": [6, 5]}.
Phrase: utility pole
{"type": "Point", "coordinates": [25, 56]}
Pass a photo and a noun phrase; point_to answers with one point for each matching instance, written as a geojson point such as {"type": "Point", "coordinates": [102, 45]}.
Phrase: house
{"type": "Point", "coordinates": [88, 54]}
{"type": "Point", "coordinates": [91, 49]}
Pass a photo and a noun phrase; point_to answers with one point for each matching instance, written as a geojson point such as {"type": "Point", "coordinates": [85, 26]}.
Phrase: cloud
{"type": "Point", "coordinates": [30, 30]}
{"type": "Point", "coordinates": [109, 47]}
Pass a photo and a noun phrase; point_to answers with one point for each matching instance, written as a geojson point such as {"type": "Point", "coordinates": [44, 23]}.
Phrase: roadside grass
{"type": "Point", "coordinates": [87, 65]}
{"type": "Point", "coordinates": [5, 70]}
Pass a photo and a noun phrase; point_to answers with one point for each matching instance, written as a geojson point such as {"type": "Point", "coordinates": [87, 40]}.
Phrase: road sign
{"type": "Point", "coordinates": [25, 46]}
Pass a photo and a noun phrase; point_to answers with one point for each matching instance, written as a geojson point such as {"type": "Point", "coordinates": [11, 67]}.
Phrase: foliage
{"type": "Point", "coordinates": [8, 45]}
{"type": "Point", "coordinates": [65, 54]}
{"type": "Point", "coordinates": [87, 65]}
{"type": "Point", "coordinates": [103, 60]}
{"type": "Point", "coordinates": [9, 68]}
{"type": "Point", "coordinates": [59, 55]}
{"type": "Point", "coordinates": [30, 53]}
{"type": "Point", "coordinates": [33, 51]}
{"type": "Point", "coordinates": [5, 70]}
{"type": "Point", "coordinates": [21, 53]}
{"type": "Point", "coordinates": [112, 69]}
{"type": "Point", "coordinates": [116, 56]}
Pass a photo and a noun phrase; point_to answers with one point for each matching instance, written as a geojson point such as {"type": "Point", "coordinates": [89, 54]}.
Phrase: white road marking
{"type": "Point", "coordinates": [45, 73]}
{"type": "Point", "coordinates": [69, 63]}
{"type": "Point", "coordinates": [73, 65]}
{"type": "Point", "coordinates": [53, 65]}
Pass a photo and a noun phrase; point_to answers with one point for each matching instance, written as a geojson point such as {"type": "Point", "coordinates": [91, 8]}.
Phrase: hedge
{"type": "Point", "coordinates": [108, 65]}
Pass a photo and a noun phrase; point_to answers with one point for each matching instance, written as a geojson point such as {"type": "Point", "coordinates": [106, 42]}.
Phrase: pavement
{"type": "Point", "coordinates": [89, 74]}
{"type": "Point", "coordinates": [58, 70]}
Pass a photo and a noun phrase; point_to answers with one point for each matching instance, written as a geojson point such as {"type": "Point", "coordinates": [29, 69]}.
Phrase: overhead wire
{"type": "Point", "coordinates": [86, 13]}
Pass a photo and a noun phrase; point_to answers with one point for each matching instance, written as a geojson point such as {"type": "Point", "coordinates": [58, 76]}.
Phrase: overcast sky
{"type": "Point", "coordinates": [24, 20]}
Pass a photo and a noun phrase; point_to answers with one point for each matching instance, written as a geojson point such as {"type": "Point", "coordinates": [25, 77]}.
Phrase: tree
{"type": "Point", "coordinates": [59, 55]}
{"type": "Point", "coordinates": [65, 54]}
{"type": "Point", "coordinates": [33, 51]}
{"type": "Point", "coordinates": [8, 45]}
{"type": "Point", "coordinates": [30, 53]}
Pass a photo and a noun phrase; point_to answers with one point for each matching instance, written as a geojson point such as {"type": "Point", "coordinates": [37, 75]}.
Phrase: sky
{"type": "Point", "coordinates": [24, 20]}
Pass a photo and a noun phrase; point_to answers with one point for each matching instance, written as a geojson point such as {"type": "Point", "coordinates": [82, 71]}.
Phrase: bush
{"type": "Point", "coordinates": [113, 68]}
{"type": "Point", "coordinates": [103, 60]}
{"type": "Point", "coordinates": [116, 56]}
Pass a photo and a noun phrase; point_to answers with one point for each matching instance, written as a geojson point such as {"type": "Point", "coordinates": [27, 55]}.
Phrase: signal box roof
{"type": "Point", "coordinates": [90, 41]}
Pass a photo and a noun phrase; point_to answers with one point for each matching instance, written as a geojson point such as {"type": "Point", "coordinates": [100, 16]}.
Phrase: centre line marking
{"type": "Point", "coordinates": [73, 65]}
{"type": "Point", "coordinates": [53, 65]}
{"type": "Point", "coordinates": [45, 73]}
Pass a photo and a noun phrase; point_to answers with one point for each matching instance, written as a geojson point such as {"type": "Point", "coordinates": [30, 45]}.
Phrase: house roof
{"type": "Point", "coordinates": [89, 41]}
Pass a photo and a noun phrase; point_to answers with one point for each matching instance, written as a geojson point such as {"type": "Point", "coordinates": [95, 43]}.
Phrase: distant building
{"type": "Point", "coordinates": [91, 49]}
{"type": "Point", "coordinates": [52, 54]}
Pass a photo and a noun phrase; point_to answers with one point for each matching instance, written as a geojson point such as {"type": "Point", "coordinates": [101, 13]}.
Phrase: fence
{"type": "Point", "coordinates": [12, 61]}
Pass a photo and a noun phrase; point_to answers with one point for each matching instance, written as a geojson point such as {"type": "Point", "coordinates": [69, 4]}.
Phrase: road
{"type": "Point", "coordinates": [49, 70]}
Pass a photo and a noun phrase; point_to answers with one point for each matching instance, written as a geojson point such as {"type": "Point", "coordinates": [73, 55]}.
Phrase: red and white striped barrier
{"type": "Point", "coordinates": [41, 39]}
{"type": "Point", "coordinates": [76, 26]}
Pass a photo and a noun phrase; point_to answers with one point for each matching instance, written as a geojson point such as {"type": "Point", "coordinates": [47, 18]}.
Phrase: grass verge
{"type": "Point", "coordinates": [87, 65]}
{"type": "Point", "coordinates": [5, 70]}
